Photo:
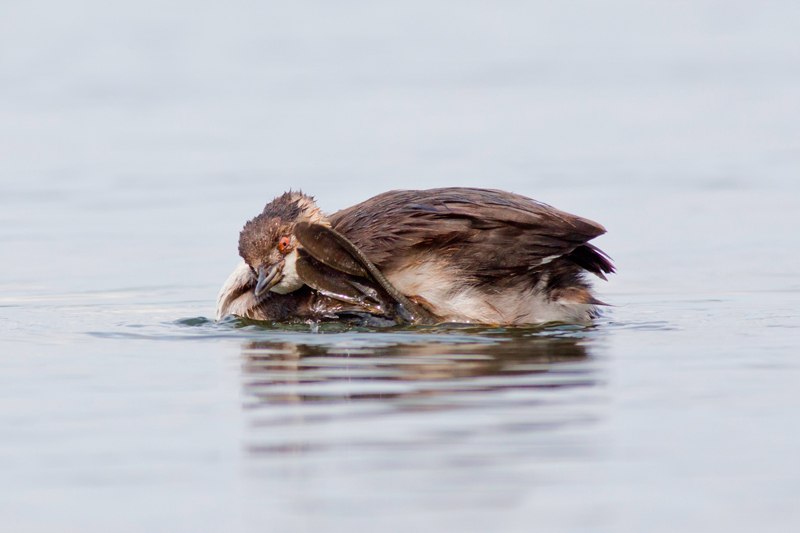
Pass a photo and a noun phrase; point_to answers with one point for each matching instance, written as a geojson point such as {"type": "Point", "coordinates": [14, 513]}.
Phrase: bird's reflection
{"type": "Point", "coordinates": [279, 372]}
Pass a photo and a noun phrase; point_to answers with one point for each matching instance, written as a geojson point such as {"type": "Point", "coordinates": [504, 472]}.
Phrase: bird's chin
{"type": "Point", "coordinates": [290, 280]}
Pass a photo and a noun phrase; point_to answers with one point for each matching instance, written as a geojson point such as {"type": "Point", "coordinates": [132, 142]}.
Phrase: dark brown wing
{"type": "Point", "coordinates": [486, 233]}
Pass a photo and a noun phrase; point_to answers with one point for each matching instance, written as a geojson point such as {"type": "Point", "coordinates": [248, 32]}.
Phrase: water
{"type": "Point", "coordinates": [137, 139]}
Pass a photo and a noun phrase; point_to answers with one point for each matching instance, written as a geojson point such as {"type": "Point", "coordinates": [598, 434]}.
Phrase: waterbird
{"type": "Point", "coordinates": [454, 254]}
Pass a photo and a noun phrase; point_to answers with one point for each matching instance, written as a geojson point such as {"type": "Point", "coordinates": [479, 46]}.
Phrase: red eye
{"type": "Point", "coordinates": [283, 244]}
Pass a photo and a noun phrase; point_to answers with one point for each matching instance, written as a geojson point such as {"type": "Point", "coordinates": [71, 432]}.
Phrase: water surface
{"type": "Point", "coordinates": [138, 139]}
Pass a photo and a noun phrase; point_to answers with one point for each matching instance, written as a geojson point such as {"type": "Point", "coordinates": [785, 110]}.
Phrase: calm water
{"type": "Point", "coordinates": [136, 140]}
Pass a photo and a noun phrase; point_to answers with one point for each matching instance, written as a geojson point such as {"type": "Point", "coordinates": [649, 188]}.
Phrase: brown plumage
{"type": "Point", "coordinates": [487, 235]}
{"type": "Point", "coordinates": [464, 255]}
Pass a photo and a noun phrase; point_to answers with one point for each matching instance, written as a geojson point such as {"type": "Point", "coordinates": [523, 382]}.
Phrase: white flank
{"type": "Point", "coordinates": [454, 301]}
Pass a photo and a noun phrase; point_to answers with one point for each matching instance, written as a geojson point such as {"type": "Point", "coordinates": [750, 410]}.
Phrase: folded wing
{"type": "Point", "coordinates": [485, 232]}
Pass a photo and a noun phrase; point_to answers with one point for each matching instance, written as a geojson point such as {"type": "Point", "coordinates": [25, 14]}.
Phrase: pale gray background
{"type": "Point", "coordinates": [137, 137]}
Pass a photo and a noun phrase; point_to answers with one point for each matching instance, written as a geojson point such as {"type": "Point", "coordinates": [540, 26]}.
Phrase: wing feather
{"type": "Point", "coordinates": [484, 231]}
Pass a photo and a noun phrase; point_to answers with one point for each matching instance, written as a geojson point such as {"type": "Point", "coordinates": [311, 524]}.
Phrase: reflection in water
{"type": "Point", "coordinates": [408, 390]}
{"type": "Point", "coordinates": [270, 366]}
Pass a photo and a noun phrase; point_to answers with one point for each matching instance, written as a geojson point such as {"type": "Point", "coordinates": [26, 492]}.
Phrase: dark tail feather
{"type": "Point", "coordinates": [593, 259]}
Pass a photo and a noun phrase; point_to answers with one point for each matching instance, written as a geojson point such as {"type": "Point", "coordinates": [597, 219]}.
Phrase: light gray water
{"type": "Point", "coordinates": [136, 139]}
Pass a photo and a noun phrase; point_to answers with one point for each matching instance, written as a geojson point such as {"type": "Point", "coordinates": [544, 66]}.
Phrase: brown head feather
{"type": "Point", "coordinates": [259, 237]}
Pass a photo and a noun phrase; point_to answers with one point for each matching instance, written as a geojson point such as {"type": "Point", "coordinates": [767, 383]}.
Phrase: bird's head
{"type": "Point", "coordinates": [268, 245]}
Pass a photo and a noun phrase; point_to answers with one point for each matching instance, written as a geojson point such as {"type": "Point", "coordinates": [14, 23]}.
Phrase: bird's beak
{"type": "Point", "coordinates": [267, 278]}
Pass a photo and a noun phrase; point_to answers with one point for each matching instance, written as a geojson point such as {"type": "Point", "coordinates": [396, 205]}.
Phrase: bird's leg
{"type": "Point", "coordinates": [336, 251]}
{"type": "Point", "coordinates": [338, 285]}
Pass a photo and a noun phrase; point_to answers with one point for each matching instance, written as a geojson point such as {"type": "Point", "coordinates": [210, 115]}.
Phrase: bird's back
{"type": "Point", "coordinates": [479, 255]}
